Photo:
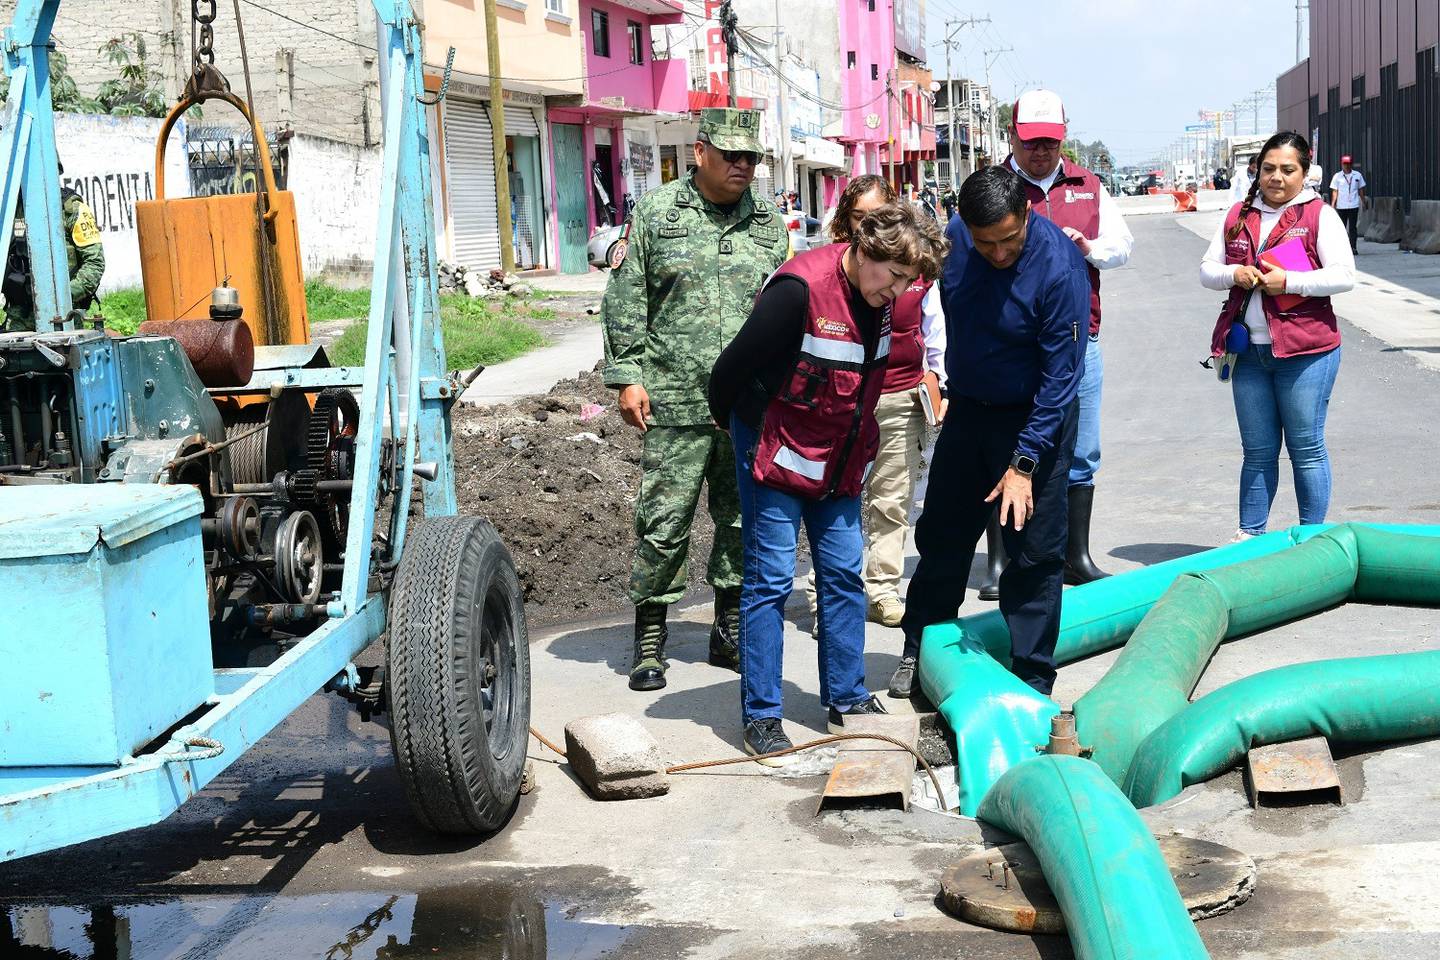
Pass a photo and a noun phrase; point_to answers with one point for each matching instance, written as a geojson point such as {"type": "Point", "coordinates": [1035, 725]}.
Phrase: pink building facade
{"type": "Point", "coordinates": [867, 64]}
{"type": "Point", "coordinates": [623, 85]}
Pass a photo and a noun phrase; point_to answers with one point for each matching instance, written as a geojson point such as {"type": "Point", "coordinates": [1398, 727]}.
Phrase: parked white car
{"type": "Point", "coordinates": [604, 247]}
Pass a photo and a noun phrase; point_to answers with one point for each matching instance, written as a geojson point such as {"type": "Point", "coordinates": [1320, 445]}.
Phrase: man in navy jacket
{"type": "Point", "coordinates": [1017, 313]}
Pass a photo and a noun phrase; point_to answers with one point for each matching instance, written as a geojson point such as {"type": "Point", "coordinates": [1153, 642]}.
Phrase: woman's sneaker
{"type": "Point", "coordinates": [869, 707]}
{"type": "Point", "coordinates": [766, 736]}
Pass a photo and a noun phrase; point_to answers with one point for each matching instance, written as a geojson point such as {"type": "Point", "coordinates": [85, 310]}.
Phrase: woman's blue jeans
{"type": "Point", "coordinates": [1285, 399]}
{"type": "Point", "coordinates": [770, 520]}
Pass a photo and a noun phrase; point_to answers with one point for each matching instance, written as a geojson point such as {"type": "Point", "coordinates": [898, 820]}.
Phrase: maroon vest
{"type": "Point", "coordinates": [1309, 326]}
{"type": "Point", "coordinates": [819, 436]}
{"type": "Point", "coordinates": [1073, 201]}
{"type": "Point", "coordinates": [907, 340]}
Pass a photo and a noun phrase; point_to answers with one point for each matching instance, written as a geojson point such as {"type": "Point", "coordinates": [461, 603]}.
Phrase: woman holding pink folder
{"type": "Point", "coordinates": [1281, 253]}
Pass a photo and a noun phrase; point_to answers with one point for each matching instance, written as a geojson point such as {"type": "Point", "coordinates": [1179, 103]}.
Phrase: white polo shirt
{"type": "Point", "coordinates": [1347, 188]}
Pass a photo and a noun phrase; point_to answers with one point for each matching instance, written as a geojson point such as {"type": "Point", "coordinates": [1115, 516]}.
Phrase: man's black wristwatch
{"type": "Point", "coordinates": [1023, 465]}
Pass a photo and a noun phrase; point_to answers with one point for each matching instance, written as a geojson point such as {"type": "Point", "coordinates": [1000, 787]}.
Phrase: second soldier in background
{"type": "Point", "coordinates": [699, 248]}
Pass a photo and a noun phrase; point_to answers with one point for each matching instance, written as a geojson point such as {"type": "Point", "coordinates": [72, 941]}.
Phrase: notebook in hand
{"type": "Point", "coordinates": [1291, 257]}
{"type": "Point", "coordinates": [930, 398]}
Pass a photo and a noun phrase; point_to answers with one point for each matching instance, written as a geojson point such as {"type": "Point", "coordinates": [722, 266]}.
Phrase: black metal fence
{"type": "Point", "coordinates": [1393, 134]}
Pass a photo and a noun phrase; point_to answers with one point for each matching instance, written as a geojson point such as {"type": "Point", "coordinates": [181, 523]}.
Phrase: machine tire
{"type": "Point", "coordinates": [456, 607]}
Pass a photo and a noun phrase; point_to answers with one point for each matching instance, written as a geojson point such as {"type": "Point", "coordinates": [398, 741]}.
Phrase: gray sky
{"type": "Point", "coordinates": [1131, 73]}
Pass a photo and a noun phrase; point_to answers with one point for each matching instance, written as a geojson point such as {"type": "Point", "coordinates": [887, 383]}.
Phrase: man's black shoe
{"type": "Point", "coordinates": [870, 707]}
{"type": "Point", "coordinates": [906, 680]}
{"type": "Point", "coordinates": [766, 736]}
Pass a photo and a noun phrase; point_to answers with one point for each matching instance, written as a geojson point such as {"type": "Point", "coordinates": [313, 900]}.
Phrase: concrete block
{"type": "Point", "coordinates": [615, 757]}
{"type": "Point", "coordinates": [1387, 220]}
{"type": "Point", "coordinates": [1422, 227]}
{"type": "Point", "coordinates": [1367, 216]}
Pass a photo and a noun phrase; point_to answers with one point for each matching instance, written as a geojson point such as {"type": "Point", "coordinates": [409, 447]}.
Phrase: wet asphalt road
{"type": "Point", "coordinates": [276, 858]}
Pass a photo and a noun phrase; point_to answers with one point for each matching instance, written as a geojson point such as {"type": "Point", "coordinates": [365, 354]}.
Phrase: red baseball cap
{"type": "Point", "coordinates": [1039, 115]}
{"type": "Point", "coordinates": [1346, 159]}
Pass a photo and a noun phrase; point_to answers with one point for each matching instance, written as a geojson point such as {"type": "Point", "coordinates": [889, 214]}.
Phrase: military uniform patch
{"type": "Point", "coordinates": [86, 231]}
{"type": "Point", "coordinates": [670, 231]}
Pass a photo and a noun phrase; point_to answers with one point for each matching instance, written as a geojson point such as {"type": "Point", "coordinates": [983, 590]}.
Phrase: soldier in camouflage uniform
{"type": "Point", "coordinates": [83, 251]}
{"type": "Point", "coordinates": [699, 249]}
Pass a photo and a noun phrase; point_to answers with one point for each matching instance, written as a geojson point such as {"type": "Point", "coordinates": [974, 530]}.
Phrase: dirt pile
{"type": "Point", "coordinates": [558, 475]}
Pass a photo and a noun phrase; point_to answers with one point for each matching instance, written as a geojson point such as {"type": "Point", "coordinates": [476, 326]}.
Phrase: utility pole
{"type": "Point", "coordinates": [890, 104]}
{"type": "Point", "coordinates": [990, 56]}
{"type": "Point", "coordinates": [728, 22]}
{"type": "Point", "coordinates": [782, 181]}
{"type": "Point", "coordinates": [1300, 7]}
{"type": "Point", "coordinates": [953, 28]}
{"type": "Point", "coordinates": [497, 124]}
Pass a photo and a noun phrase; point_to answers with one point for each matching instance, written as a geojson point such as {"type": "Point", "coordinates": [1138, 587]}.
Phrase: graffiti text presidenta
{"type": "Point", "coordinates": [113, 196]}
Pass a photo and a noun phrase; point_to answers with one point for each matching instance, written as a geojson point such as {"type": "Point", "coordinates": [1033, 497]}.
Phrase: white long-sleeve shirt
{"type": "Point", "coordinates": [1332, 244]}
{"type": "Point", "coordinates": [932, 331]}
{"type": "Point", "coordinates": [1112, 245]}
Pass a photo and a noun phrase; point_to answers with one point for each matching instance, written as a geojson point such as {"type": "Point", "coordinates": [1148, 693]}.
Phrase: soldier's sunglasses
{"type": "Point", "coordinates": [734, 156]}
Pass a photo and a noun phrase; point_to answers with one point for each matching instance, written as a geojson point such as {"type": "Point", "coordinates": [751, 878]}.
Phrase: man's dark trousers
{"type": "Point", "coordinates": [971, 455]}
{"type": "Point", "coordinates": [1351, 219]}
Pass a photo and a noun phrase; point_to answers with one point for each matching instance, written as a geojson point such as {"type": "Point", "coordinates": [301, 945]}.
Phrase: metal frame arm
{"type": "Point", "coordinates": [28, 161]}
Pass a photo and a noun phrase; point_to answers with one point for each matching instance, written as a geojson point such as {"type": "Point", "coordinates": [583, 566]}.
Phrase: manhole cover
{"type": "Point", "coordinates": [1212, 880]}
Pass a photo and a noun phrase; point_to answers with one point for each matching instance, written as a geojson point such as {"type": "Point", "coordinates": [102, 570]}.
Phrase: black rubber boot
{"type": "Point", "coordinates": [725, 632]}
{"type": "Point", "coordinates": [648, 670]}
{"type": "Point", "coordinates": [1079, 568]}
{"type": "Point", "coordinates": [995, 551]}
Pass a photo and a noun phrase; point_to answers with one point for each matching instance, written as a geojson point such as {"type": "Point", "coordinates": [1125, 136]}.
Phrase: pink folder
{"type": "Point", "coordinates": [1291, 257]}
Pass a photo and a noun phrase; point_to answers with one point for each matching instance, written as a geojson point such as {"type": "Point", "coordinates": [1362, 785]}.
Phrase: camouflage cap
{"type": "Point", "coordinates": [727, 128]}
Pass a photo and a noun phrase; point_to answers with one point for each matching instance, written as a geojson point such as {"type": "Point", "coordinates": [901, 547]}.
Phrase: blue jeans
{"type": "Point", "coordinates": [770, 521]}
{"type": "Point", "coordinates": [1283, 398]}
{"type": "Point", "coordinates": [1087, 431]}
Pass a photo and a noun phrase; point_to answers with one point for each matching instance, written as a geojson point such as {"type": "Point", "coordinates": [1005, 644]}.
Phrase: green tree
{"type": "Point", "coordinates": [63, 92]}
{"type": "Point", "coordinates": [135, 92]}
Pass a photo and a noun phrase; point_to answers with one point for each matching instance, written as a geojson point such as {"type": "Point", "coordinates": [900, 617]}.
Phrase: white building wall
{"type": "Point", "coordinates": [316, 83]}
{"type": "Point", "coordinates": [110, 162]}
{"type": "Point", "coordinates": [337, 201]}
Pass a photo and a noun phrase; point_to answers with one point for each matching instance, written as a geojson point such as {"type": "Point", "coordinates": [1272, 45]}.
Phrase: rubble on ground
{"type": "Point", "coordinates": [481, 284]}
{"type": "Point", "coordinates": [558, 479]}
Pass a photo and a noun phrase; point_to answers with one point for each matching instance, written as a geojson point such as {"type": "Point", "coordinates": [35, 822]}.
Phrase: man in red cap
{"type": "Point", "coordinates": [1072, 198]}
{"type": "Point", "coordinates": [1347, 196]}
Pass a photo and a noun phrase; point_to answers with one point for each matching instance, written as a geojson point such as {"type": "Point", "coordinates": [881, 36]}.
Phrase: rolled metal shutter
{"type": "Point", "coordinates": [470, 171]}
{"type": "Point", "coordinates": [520, 122]}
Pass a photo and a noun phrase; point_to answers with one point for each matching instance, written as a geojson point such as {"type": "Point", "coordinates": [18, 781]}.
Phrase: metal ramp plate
{"type": "Point", "coordinates": [874, 768]}
{"type": "Point", "coordinates": [1301, 771]}
{"type": "Point", "coordinates": [1004, 888]}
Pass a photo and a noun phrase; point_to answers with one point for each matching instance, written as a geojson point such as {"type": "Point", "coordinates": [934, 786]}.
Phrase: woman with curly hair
{"type": "Point", "coordinates": [798, 388]}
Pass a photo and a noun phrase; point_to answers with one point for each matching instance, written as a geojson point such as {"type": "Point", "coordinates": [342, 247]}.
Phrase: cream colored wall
{"type": "Point", "coordinates": [537, 52]}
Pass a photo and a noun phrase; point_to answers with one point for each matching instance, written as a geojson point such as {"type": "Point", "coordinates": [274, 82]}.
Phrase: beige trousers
{"type": "Point", "coordinates": [890, 491]}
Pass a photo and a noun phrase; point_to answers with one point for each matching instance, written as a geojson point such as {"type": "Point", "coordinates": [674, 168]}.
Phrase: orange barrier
{"type": "Point", "coordinates": [1184, 201]}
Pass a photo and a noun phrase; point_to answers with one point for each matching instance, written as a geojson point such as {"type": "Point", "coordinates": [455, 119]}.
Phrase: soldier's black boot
{"type": "Point", "coordinates": [1079, 568]}
{"type": "Point", "coordinates": [725, 633]}
{"type": "Point", "coordinates": [648, 666]}
{"type": "Point", "coordinates": [995, 554]}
